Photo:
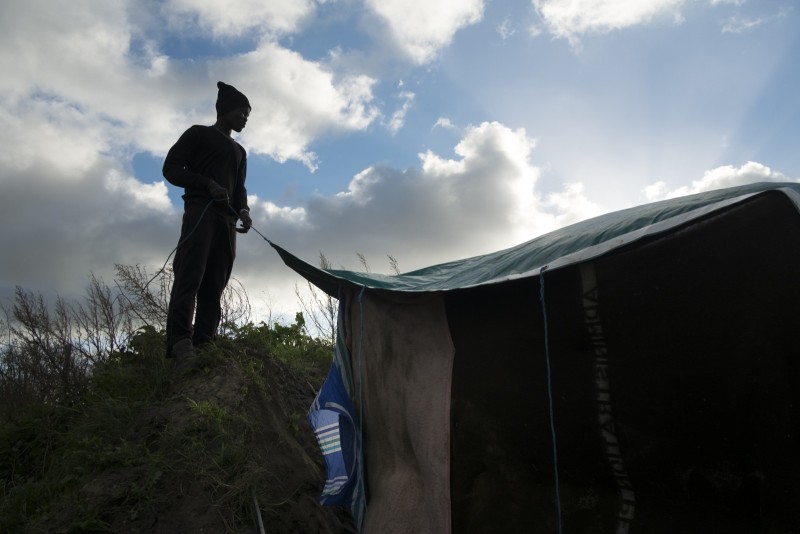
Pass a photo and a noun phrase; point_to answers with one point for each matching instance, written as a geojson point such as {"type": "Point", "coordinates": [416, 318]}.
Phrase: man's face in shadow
{"type": "Point", "coordinates": [235, 119]}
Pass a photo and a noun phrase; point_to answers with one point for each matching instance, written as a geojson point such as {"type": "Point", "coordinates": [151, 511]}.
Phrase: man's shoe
{"type": "Point", "coordinates": [182, 349]}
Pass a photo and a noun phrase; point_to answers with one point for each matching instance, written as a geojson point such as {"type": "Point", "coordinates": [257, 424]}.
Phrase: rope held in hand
{"type": "Point", "coordinates": [182, 241]}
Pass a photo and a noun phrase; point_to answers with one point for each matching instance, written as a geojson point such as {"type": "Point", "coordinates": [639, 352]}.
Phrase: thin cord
{"type": "Point", "coordinates": [161, 270]}
{"type": "Point", "coordinates": [265, 238]}
{"type": "Point", "coordinates": [550, 398]}
{"type": "Point", "coordinates": [181, 242]}
{"type": "Point", "coordinates": [253, 228]}
{"type": "Point", "coordinates": [361, 400]}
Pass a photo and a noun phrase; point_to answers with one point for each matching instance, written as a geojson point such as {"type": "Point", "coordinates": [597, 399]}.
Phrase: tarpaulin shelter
{"type": "Point", "coordinates": [635, 372]}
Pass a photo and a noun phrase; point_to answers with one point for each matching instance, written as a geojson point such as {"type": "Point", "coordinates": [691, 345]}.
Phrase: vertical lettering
{"type": "Point", "coordinates": [626, 508]}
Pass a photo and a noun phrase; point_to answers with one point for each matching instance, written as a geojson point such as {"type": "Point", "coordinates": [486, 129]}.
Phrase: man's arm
{"type": "Point", "coordinates": [240, 196]}
{"type": "Point", "coordinates": [240, 191]}
{"type": "Point", "coordinates": [176, 163]}
{"type": "Point", "coordinates": [240, 199]}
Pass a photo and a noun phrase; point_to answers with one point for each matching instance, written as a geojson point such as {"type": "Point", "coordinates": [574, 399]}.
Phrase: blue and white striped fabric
{"type": "Point", "coordinates": [333, 423]}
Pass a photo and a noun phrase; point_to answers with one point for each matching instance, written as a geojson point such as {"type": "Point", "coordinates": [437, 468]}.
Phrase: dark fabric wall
{"type": "Point", "coordinates": [674, 368]}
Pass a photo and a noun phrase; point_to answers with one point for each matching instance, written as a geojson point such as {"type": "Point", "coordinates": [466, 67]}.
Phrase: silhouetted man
{"type": "Point", "coordinates": [211, 167]}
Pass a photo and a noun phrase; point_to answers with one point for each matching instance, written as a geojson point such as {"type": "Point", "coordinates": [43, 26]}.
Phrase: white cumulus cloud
{"type": "Point", "coordinates": [570, 19]}
{"type": "Point", "coordinates": [233, 18]}
{"type": "Point", "coordinates": [86, 88]}
{"type": "Point", "coordinates": [718, 178]}
{"type": "Point", "coordinates": [295, 100]}
{"type": "Point", "coordinates": [422, 27]}
{"type": "Point", "coordinates": [398, 118]}
{"type": "Point", "coordinates": [484, 199]}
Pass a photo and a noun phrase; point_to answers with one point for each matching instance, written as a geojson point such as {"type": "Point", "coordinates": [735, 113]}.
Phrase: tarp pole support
{"type": "Point", "coordinates": [550, 398]}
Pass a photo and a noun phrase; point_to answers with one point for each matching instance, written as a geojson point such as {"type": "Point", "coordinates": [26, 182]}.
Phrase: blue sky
{"type": "Point", "coordinates": [428, 130]}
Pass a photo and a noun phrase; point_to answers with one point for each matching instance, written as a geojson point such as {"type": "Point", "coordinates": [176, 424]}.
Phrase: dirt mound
{"type": "Point", "coordinates": [228, 449]}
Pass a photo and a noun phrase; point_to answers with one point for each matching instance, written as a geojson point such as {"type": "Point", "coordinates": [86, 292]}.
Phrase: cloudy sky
{"type": "Point", "coordinates": [428, 130]}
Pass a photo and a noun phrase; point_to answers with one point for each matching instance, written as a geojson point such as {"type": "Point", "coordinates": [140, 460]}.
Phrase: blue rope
{"type": "Point", "coordinates": [550, 398]}
{"type": "Point", "coordinates": [361, 402]}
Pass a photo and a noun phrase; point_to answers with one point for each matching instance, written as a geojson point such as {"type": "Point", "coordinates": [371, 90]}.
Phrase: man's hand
{"type": "Point", "coordinates": [247, 222]}
{"type": "Point", "coordinates": [217, 192]}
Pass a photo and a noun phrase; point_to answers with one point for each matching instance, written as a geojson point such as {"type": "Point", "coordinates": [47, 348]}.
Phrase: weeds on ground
{"type": "Point", "coordinates": [52, 454]}
{"type": "Point", "coordinates": [49, 451]}
{"type": "Point", "coordinates": [291, 344]}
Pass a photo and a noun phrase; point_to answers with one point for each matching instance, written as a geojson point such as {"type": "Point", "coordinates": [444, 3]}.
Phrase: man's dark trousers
{"type": "Point", "coordinates": [202, 267]}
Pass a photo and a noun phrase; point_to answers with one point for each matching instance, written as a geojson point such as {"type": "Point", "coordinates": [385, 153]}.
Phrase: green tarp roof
{"type": "Point", "coordinates": [565, 246]}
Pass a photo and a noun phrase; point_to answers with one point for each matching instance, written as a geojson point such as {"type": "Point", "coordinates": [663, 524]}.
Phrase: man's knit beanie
{"type": "Point", "coordinates": [229, 98]}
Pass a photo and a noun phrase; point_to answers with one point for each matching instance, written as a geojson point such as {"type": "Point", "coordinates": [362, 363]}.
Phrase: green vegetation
{"type": "Point", "coordinates": [289, 343]}
{"type": "Point", "coordinates": [113, 437]}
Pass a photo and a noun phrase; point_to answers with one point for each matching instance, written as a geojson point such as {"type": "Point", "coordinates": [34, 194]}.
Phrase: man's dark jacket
{"type": "Point", "coordinates": [203, 154]}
